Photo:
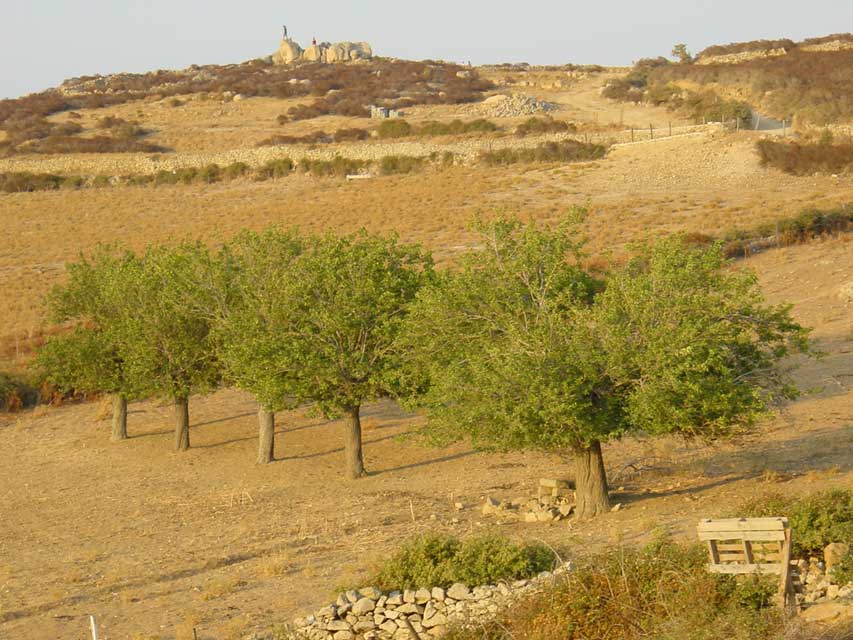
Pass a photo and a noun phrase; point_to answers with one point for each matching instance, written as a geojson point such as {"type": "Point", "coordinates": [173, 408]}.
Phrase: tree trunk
{"type": "Point", "coordinates": [119, 418]}
{"type": "Point", "coordinates": [182, 424]}
{"type": "Point", "coordinates": [590, 482]}
{"type": "Point", "coordinates": [355, 460]}
{"type": "Point", "coordinates": [266, 436]}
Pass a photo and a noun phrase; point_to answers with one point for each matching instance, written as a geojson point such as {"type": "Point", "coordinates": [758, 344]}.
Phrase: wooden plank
{"type": "Point", "coordinates": [787, 589]}
{"type": "Point", "coordinates": [747, 551]}
{"type": "Point", "coordinates": [755, 536]}
{"type": "Point", "coordinates": [745, 568]}
{"type": "Point", "coordinates": [712, 551]}
{"type": "Point", "coordinates": [744, 524]}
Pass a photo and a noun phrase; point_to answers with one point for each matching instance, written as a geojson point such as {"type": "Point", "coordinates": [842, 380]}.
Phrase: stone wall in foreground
{"type": "Point", "coordinates": [370, 614]}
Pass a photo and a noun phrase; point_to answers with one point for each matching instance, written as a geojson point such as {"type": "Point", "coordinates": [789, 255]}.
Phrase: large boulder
{"type": "Point", "coordinates": [314, 53]}
{"type": "Point", "coordinates": [288, 51]}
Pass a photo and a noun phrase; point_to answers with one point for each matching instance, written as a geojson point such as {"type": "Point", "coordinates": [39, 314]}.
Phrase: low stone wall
{"type": "Point", "coordinates": [369, 614]}
{"type": "Point", "coordinates": [119, 164]}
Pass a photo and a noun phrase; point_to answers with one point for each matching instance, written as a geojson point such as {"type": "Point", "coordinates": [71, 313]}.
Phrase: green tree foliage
{"type": "Point", "coordinates": [348, 296]}
{"type": "Point", "coordinates": [680, 53]}
{"type": "Point", "coordinates": [255, 325]}
{"type": "Point", "coordinates": [169, 342]}
{"type": "Point", "coordinates": [90, 357]}
{"type": "Point", "coordinates": [521, 348]}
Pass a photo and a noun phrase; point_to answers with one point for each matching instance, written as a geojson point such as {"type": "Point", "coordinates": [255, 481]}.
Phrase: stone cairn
{"type": "Point", "coordinates": [369, 614]}
{"type": "Point", "coordinates": [817, 579]}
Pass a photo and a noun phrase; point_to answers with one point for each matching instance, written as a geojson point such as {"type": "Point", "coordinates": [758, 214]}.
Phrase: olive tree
{"type": "Point", "coordinates": [254, 325]}
{"type": "Point", "coordinates": [169, 343]}
{"type": "Point", "coordinates": [521, 348]}
{"type": "Point", "coordinates": [347, 297]}
{"type": "Point", "coordinates": [89, 357]}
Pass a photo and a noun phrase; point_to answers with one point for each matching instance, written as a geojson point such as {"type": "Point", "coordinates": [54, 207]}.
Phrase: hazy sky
{"type": "Point", "coordinates": [42, 42]}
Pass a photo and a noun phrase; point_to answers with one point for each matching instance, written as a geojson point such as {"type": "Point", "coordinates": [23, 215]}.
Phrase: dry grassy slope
{"type": "Point", "coordinates": [705, 184]}
{"type": "Point", "coordinates": [154, 543]}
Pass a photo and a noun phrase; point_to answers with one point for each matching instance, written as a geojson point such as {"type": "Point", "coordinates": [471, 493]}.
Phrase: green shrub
{"type": "Point", "coordinates": [535, 126]}
{"type": "Point", "coordinates": [439, 560]}
{"type": "Point", "coordinates": [235, 170]}
{"type": "Point", "coordinates": [455, 127]}
{"type": "Point", "coordinates": [663, 591]}
{"type": "Point", "coordinates": [842, 573]}
{"type": "Point", "coordinates": [565, 151]}
{"type": "Point", "coordinates": [210, 174]}
{"type": "Point", "coordinates": [21, 182]}
{"type": "Point", "coordinates": [100, 182]}
{"type": "Point", "coordinates": [338, 166]}
{"type": "Point", "coordinates": [393, 128]}
{"type": "Point", "coordinates": [275, 169]}
{"type": "Point", "coordinates": [815, 519]}
{"type": "Point", "coordinates": [391, 165]}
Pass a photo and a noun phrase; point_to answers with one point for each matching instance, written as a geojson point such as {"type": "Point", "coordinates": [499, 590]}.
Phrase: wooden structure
{"type": "Point", "coordinates": [751, 546]}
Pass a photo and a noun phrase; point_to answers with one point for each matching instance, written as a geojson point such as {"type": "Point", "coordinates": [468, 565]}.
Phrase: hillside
{"type": "Point", "coordinates": [158, 544]}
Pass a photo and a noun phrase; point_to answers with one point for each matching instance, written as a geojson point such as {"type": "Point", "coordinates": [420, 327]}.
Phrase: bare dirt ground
{"type": "Point", "coordinates": [155, 543]}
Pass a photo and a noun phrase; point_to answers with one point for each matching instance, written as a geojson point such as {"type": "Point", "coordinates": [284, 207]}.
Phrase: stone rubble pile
{"type": "Point", "coordinates": [554, 503]}
{"type": "Point", "coordinates": [514, 106]}
{"type": "Point", "coordinates": [369, 614]}
{"type": "Point", "coordinates": [817, 577]}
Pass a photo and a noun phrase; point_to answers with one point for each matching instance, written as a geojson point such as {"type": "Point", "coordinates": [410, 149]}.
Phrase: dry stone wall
{"type": "Point", "coordinates": [369, 614]}
{"type": "Point", "coordinates": [466, 151]}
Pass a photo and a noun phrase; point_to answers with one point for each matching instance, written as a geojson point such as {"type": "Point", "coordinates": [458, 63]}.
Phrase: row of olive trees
{"type": "Point", "coordinates": [518, 346]}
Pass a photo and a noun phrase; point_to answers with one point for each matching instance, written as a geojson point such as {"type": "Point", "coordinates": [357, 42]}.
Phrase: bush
{"type": "Point", "coordinates": [815, 519]}
{"type": "Point", "coordinates": [842, 573]}
{"type": "Point", "coordinates": [235, 170]}
{"type": "Point", "coordinates": [275, 169]}
{"type": "Point", "coordinates": [565, 151]}
{"type": "Point", "coordinates": [804, 159]}
{"type": "Point", "coordinates": [662, 591]}
{"type": "Point", "coordinates": [351, 135]}
{"type": "Point", "coordinates": [338, 166]}
{"type": "Point", "coordinates": [391, 165]}
{"type": "Point", "coordinates": [393, 128]}
{"type": "Point", "coordinates": [210, 174]}
{"type": "Point", "coordinates": [21, 182]}
{"type": "Point", "coordinates": [17, 392]}
{"type": "Point", "coordinates": [437, 560]}
{"type": "Point", "coordinates": [535, 126]}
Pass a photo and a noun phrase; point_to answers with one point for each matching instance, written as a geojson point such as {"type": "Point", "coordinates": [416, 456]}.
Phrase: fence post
{"type": "Point", "coordinates": [94, 627]}
{"type": "Point", "coordinates": [632, 134]}
{"type": "Point", "coordinates": [670, 128]}
{"type": "Point", "coordinates": [651, 132]}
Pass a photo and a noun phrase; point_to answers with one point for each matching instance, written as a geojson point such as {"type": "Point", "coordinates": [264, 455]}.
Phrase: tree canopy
{"type": "Point", "coordinates": [522, 348]}
{"type": "Point", "coordinates": [347, 298]}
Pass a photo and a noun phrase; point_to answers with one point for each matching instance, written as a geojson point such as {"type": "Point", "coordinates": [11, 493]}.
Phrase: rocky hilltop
{"type": "Point", "coordinates": [289, 52]}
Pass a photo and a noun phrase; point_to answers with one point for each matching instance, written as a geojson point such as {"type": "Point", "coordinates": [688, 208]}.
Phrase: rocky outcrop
{"type": "Point", "coordinates": [743, 56]}
{"type": "Point", "coordinates": [289, 52]}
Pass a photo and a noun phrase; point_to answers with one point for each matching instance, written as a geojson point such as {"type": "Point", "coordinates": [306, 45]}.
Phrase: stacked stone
{"type": "Point", "coordinates": [514, 106]}
{"type": "Point", "coordinates": [818, 579]}
{"type": "Point", "coordinates": [542, 509]}
{"type": "Point", "coordinates": [369, 614]}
